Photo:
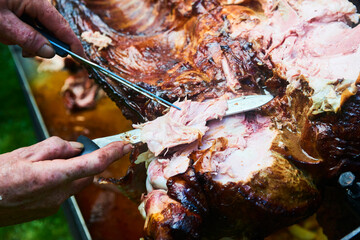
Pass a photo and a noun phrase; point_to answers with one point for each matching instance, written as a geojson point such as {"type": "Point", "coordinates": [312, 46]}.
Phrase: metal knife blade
{"type": "Point", "coordinates": [236, 105]}
{"type": "Point", "coordinates": [246, 103]}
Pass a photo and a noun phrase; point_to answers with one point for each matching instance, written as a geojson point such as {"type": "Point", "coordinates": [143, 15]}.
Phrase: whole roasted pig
{"type": "Point", "coordinates": [247, 175]}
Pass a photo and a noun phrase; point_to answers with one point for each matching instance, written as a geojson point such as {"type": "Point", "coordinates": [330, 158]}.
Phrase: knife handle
{"type": "Point", "coordinates": [48, 35]}
{"type": "Point", "coordinates": [89, 145]}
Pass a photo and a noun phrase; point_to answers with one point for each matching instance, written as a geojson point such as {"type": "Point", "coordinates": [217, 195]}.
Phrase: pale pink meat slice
{"type": "Point", "coordinates": [247, 150]}
{"type": "Point", "coordinates": [314, 40]}
{"type": "Point", "coordinates": [181, 127]}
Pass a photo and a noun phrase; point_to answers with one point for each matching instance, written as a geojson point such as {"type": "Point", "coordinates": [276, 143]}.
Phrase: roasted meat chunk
{"type": "Point", "coordinates": [243, 176]}
{"type": "Point", "coordinates": [233, 178]}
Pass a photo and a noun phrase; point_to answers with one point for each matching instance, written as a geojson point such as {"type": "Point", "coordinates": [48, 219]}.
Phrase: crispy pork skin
{"type": "Point", "coordinates": [169, 219]}
{"type": "Point", "coordinates": [247, 175]}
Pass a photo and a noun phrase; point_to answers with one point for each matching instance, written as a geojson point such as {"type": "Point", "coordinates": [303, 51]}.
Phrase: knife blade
{"type": "Point", "coordinates": [236, 105]}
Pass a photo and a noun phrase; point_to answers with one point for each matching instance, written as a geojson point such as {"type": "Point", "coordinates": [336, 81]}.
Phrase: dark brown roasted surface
{"type": "Point", "coordinates": [186, 49]}
{"type": "Point", "coordinates": [169, 57]}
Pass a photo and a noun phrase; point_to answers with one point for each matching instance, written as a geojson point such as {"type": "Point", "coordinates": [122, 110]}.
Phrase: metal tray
{"type": "Point", "coordinates": [27, 69]}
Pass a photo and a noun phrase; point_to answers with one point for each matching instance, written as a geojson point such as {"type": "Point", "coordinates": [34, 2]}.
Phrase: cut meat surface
{"type": "Point", "coordinates": [180, 127]}
{"type": "Point", "coordinates": [234, 156]}
{"type": "Point", "coordinates": [313, 39]}
{"type": "Point", "coordinates": [166, 218]}
{"type": "Point", "coordinates": [246, 151]}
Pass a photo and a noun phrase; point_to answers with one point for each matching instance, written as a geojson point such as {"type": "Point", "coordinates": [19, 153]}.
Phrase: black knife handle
{"type": "Point", "coordinates": [48, 35]}
{"type": "Point", "coordinates": [89, 145]}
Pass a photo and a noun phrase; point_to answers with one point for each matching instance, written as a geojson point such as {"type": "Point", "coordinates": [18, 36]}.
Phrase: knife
{"type": "Point", "coordinates": [236, 105]}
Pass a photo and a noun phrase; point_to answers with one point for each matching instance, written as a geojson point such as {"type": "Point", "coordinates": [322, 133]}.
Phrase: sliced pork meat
{"type": "Point", "coordinates": [247, 175]}
{"type": "Point", "coordinates": [54, 64]}
{"type": "Point", "coordinates": [314, 41]}
{"type": "Point", "coordinates": [181, 127]}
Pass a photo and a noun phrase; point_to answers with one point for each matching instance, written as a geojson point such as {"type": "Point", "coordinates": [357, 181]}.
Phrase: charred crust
{"type": "Point", "coordinates": [186, 189]}
{"type": "Point", "coordinates": [282, 195]}
{"type": "Point", "coordinates": [174, 222]}
{"type": "Point", "coordinates": [337, 137]}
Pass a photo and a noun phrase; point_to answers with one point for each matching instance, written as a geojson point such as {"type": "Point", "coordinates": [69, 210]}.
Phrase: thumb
{"type": "Point", "coordinates": [17, 32]}
{"type": "Point", "coordinates": [88, 164]}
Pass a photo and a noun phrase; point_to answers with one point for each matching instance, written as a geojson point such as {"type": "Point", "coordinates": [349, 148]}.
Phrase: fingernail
{"type": "Point", "coordinates": [46, 51]}
{"type": "Point", "coordinates": [77, 145]}
{"type": "Point", "coordinates": [127, 148]}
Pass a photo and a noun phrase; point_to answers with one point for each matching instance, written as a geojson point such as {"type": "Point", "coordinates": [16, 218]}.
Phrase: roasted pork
{"type": "Point", "coordinates": [243, 176]}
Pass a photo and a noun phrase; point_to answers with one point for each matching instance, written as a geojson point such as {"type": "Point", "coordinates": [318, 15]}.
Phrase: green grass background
{"type": "Point", "coordinates": [16, 130]}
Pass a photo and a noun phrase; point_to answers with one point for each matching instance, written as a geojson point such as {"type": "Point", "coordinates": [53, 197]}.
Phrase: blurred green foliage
{"type": "Point", "coordinates": [53, 227]}
{"type": "Point", "coordinates": [15, 125]}
{"type": "Point", "coordinates": [17, 131]}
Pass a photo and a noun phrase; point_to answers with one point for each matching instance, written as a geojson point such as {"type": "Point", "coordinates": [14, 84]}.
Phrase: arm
{"type": "Point", "coordinates": [14, 31]}
{"type": "Point", "coordinates": [35, 180]}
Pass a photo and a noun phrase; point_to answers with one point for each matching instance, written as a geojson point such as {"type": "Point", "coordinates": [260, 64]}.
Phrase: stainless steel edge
{"type": "Point", "coordinates": [25, 84]}
{"type": "Point", "coordinates": [71, 208]}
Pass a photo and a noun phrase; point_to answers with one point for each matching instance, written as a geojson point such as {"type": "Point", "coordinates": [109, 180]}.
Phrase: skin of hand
{"type": "Point", "coordinates": [35, 180]}
{"type": "Point", "coordinates": [16, 32]}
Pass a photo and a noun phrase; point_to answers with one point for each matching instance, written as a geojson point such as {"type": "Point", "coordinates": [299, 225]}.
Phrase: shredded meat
{"type": "Point", "coordinates": [181, 127]}
{"type": "Point", "coordinates": [97, 39]}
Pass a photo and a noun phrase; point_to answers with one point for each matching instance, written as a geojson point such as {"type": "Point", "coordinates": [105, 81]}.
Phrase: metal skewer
{"type": "Point", "coordinates": [117, 78]}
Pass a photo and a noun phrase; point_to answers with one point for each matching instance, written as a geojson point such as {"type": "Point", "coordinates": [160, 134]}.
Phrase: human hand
{"type": "Point", "coordinates": [14, 31]}
{"type": "Point", "coordinates": [35, 180]}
